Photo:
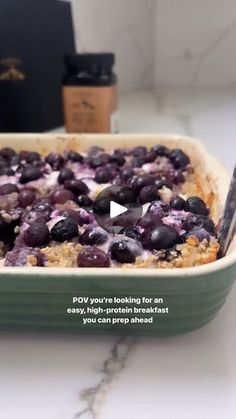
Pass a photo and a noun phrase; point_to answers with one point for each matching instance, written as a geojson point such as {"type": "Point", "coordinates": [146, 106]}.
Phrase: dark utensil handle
{"type": "Point", "coordinates": [228, 222]}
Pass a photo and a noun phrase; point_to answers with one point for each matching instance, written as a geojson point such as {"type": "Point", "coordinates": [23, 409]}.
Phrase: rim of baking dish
{"type": "Point", "coordinates": [219, 265]}
{"type": "Point", "coordinates": [216, 266]}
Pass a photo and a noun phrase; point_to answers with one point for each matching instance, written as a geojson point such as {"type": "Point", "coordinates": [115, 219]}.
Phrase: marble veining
{"type": "Point", "coordinates": [161, 42]}
{"type": "Point", "coordinates": [192, 47]}
{"type": "Point", "coordinates": [123, 27]}
{"type": "Point", "coordinates": [206, 54]}
{"type": "Point", "coordinates": [94, 397]}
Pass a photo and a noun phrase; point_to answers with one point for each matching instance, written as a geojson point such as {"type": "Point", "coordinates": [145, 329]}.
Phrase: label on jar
{"type": "Point", "coordinates": [90, 109]}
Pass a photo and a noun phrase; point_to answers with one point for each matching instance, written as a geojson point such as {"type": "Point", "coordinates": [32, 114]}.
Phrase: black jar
{"type": "Point", "coordinates": [90, 93]}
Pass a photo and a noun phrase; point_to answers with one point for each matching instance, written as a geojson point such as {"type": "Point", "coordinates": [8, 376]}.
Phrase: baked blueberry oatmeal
{"type": "Point", "coordinates": [50, 207]}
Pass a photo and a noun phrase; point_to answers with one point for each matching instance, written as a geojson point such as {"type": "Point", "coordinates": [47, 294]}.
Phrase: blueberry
{"type": "Point", "coordinates": [68, 213]}
{"type": "Point", "coordinates": [126, 173]}
{"type": "Point", "coordinates": [80, 217]}
{"type": "Point", "coordinates": [92, 257]}
{"type": "Point", "coordinates": [85, 217]}
{"type": "Point", "coordinates": [102, 205]}
{"type": "Point", "coordinates": [32, 157]}
{"type": "Point", "coordinates": [125, 195]}
{"type": "Point", "coordinates": [7, 153]}
{"type": "Point", "coordinates": [23, 154]}
{"type": "Point", "coordinates": [139, 151]}
{"type": "Point", "coordinates": [118, 159]}
{"type": "Point", "coordinates": [64, 175]}
{"type": "Point", "coordinates": [95, 151]}
{"type": "Point", "coordinates": [75, 157]}
{"type": "Point", "coordinates": [177, 203]}
{"type": "Point", "coordinates": [95, 162]}
{"type": "Point", "coordinates": [7, 231]}
{"type": "Point", "coordinates": [6, 171]}
{"type": "Point", "coordinates": [121, 151]}
{"type": "Point", "coordinates": [29, 217]}
{"type": "Point", "coordinates": [30, 173]}
{"type": "Point", "coordinates": [138, 161]}
{"type": "Point", "coordinates": [178, 158]}
{"type": "Point", "coordinates": [8, 188]}
{"type": "Point", "coordinates": [84, 201]}
{"type": "Point", "coordinates": [61, 196]}
{"type": "Point", "coordinates": [160, 150]}
{"type": "Point", "coordinates": [18, 256]}
{"type": "Point", "coordinates": [14, 161]}
{"type": "Point", "coordinates": [208, 224]}
{"type": "Point", "coordinates": [141, 181]}
{"type": "Point", "coordinates": [178, 177]}
{"type": "Point", "coordinates": [149, 220]}
{"type": "Point", "coordinates": [103, 176]}
{"type": "Point", "coordinates": [150, 157]}
{"type": "Point", "coordinates": [3, 163]}
{"type": "Point", "coordinates": [193, 222]}
{"type": "Point", "coordinates": [55, 160]}
{"type": "Point", "coordinates": [200, 233]}
{"type": "Point", "coordinates": [100, 160]}
{"type": "Point", "coordinates": [66, 229]}
{"type": "Point", "coordinates": [131, 232]}
{"type": "Point", "coordinates": [113, 167]}
{"type": "Point", "coordinates": [37, 234]}
{"type": "Point", "coordinates": [93, 236]}
{"type": "Point", "coordinates": [196, 205]}
{"type": "Point", "coordinates": [148, 194]}
{"type": "Point", "coordinates": [3, 229]}
{"type": "Point", "coordinates": [26, 198]}
{"type": "Point", "coordinates": [43, 205]}
{"type": "Point", "coordinates": [161, 237]}
{"type": "Point", "coordinates": [159, 183]}
{"type": "Point", "coordinates": [159, 208]}
{"type": "Point", "coordinates": [122, 252]}
{"type": "Point", "coordinates": [76, 186]}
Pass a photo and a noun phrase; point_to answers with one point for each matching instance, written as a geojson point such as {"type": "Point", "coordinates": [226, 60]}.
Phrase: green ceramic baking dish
{"type": "Point", "coordinates": [38, 298]}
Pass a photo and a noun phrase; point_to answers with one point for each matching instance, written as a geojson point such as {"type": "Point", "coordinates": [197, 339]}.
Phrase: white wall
{"type": "Point", "coordinates": [195, 43]}
{"type": "Point", "coordinates": [162, 43]}
{"type": "Point", "coordinates": [125, 27]}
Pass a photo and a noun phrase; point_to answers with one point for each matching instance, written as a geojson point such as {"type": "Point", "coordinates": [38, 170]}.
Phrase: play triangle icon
{"type": "Point", "coordinates": [116, 209]}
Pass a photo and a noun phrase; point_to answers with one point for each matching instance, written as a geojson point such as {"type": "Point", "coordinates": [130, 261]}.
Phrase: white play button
{"type": "Point", "coordinates": [113, 210]}
{"type": "Point", "coordinates": [116, 209]}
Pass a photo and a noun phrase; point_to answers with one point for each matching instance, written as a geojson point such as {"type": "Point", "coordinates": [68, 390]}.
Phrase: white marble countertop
{"type": "Point", "coordinates": [193, 376]}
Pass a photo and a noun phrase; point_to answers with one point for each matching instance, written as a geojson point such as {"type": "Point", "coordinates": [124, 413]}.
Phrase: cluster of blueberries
{"type": "Point", "coordinates": [121, 167]}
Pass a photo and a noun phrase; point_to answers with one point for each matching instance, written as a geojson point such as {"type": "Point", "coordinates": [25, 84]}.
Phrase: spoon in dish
{"type": "Point", "coordinates": [228, 222]}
